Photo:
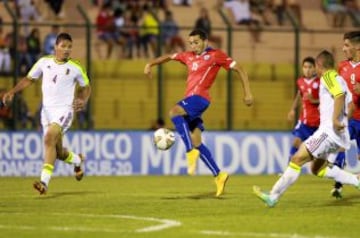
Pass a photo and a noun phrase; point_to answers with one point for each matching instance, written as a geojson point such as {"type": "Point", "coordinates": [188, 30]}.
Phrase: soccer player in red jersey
{"type": "Point", "coordinates": [349, 69]}
{"type": "Point", "coordinates": [203, 64]}
{"type": "Point", "coordinates": [308, 92]}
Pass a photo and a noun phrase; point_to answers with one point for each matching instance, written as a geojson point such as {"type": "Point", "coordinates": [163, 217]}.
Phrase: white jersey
{"type": "Point", "coordinates": [58, 80]}
{"type": "Point", "coordinates": [331, 86]}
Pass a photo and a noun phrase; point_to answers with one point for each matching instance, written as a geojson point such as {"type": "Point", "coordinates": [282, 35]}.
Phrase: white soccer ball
{"type": "Point", "coordinates": [164, 138]}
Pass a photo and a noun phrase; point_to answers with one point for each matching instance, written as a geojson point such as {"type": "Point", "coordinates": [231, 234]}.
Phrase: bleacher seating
{"type": "Point", "coordinates": [124, 98]}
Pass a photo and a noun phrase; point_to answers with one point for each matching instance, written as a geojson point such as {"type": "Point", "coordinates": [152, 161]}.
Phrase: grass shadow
{"type": "Point", "coordinates": [65, 193]}
{"type": "Point", "coordinates": [200, 196]}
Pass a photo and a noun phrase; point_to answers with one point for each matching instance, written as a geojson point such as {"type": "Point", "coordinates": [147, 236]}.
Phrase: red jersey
{"type": "Point", "coordinates": [202, 69]}
{"type": "Point", "coordinates": [351, 73]}
{"type": "Point", "coordinates": [310, 114]}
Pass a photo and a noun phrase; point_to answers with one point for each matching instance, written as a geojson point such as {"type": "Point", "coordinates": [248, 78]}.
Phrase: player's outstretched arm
{"type": "Point", "coordinates": [248, 98]}
{"type": "Point", "coordinates": [22, 84]}
{"type": "Point", "coordinates": [156, 61]}
{"type": "Point", "coordinates": [291, 114]}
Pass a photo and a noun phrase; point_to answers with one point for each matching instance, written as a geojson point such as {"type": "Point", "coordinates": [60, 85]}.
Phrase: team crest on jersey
{"type": "Point", "coordinates": [67, 71]}
{"type": "Point", "coordinates": [206, 57]}
{"type": "Point", "coordinates": [49, 67]}
{"type": "Point", "coordinates": [315, 85]}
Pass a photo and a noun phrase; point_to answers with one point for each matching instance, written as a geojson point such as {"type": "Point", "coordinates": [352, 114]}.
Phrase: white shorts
{"type": "Point", "coordinates": [63, 116]}
{"type": "Point", "coordinates": [321, 144]}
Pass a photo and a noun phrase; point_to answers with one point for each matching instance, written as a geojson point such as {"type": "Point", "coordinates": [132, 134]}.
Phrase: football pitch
{"type": "Point", "coordinates": [174, 206]}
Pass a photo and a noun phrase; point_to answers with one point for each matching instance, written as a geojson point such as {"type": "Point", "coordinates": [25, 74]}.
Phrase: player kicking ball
{"type": "Point", "coordinates": [203, 64]}
{"type": "Point", "coordinates": [331, 136]}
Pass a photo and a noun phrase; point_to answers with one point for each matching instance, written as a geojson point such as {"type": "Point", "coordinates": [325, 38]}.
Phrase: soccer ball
{"type": "Point", "coordinates": [164, 138]}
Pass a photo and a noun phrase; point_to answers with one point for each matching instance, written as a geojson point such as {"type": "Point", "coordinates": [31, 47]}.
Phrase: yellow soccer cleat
{"type": "Point", "coordinates": [192, 156]}
{"type": "Point", "coordinates": [220, 182]}
{"type": "Point", "coordinates": [79, 172]}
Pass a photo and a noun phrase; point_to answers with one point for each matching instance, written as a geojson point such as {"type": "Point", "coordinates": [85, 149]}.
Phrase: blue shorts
{"type": "Point", "coordinates": [354, 131]}
{"type": "Point", "coordinates": [303, 131]}
{"type": "Point", "coordinates": [194, 107]}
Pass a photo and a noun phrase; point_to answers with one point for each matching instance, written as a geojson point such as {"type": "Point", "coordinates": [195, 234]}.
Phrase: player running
{"type": "Point", "coordinates": [331, 135]}
{"type": "Point", "coordinates": [59, 74]}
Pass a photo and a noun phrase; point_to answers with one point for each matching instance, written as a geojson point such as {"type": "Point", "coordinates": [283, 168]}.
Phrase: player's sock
{"type": "Point", "coordinates": [73, 159]}
{"type": "Point", "coordinates": [340, 160]}
{"type": "Point", "coordinates": [339, 175]}
{"type": "Point", "coordinates": [290, 175]}
{"type": "Point", "coordinates": [207, 158]}
{"type": "Point", "coordinates": [183, 129]}
{"type": "Point", "coordinates": [46, 173]}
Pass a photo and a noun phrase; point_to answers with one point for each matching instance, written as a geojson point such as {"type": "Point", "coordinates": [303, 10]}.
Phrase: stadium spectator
{"type": "Point", "coordinates": [23, 114]}
{"type": "Point", "coordinates": [130, 32]}
{"type": "Point", "coordinates": [33, 42]}
{"type": "Point", "coordinates": [5, 58]}
{"type": "Point", "coordinates": [105, 28]}
{"type": "Point", "coordinates": [262, 8]}
{"type": "Point", "coordinates": [240, 12]}
{"type": "Point", "coordinates": [50, 38]}
{"type": "Point", "coordinates": [170, 34]}
{"type": "Point", "coordinates": [203, 22]}
{"type": "Point", "coordinates": [281, 7]}
{"type": "Point", "coordinates": [27, 12]}
{"type": "Point", "coordinates": [149, 31]}
{"type": "Point", "coordinates": [335, 10]}
{"type": "Point", "coordinates": [353, 10]}
{"type": "Point", "coordinates": [20, 52]}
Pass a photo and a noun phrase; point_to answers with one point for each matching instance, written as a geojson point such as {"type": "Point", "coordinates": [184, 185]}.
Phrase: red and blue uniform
{"type": "Point", "coordinates": [202, 71]}
{"type": "Point", "coordinates": [350, 71]}
{"type": "Point", "coordinates": [309, 119]}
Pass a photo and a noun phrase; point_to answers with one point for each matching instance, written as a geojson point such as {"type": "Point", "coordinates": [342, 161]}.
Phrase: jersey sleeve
{"type": "Point", "coordinates": [224, 60]}
{"type": "Point", "coordinates": [332, 82]}
{"type": "Point", "coordinates": [81, 77]}
{"type": "Point", "coordinates": [36, 70]}
{"type": "Point", "coordinates": [181, 57]}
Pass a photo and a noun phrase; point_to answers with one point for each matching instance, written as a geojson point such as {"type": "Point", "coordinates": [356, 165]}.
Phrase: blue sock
{"type": "Point", "coordinates": [340, 160]}
{"type": "Point", "coordinates": [207, 158]}
{"type": "Point", "coordinates": [293, 151]}
{"type": "Point", "coordinates": [183, 129]}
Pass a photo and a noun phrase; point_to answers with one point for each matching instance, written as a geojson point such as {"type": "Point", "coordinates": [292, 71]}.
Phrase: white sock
{"type": "Point", "coordinates": [46, 173]}
{"type": "Point", "coordinates": [340, 175]}
{"type": "Point", "coordinates": [73, 159]}
{"type": "Point", "coordinates": [290, 175]}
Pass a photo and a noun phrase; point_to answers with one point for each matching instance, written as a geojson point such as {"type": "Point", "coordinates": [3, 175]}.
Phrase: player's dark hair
{"type": "Point", "coordinates": [63, 36]}
{"type": "Point", "coordinates": [198, 32]}
{"type": "Point", "coordinates": [352, 36]}
{"type": "Point", "coordinates": [327, 59]}
{"type": "Point", "coordinates": [309, 59]}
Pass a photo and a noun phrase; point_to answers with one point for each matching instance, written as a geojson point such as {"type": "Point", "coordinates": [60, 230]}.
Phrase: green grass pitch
{"type": "Point", "coordinates": [174, 206]}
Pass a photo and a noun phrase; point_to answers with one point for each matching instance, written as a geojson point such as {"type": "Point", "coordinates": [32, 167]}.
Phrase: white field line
{"type": "Point", "coordinates": [164, 223]}
{"type": "Point", "coordinates": [259, 234]}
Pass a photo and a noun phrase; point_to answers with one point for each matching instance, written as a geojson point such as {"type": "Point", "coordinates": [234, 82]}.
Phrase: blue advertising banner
{"type": "Point", "coordinates": [114, 153]}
